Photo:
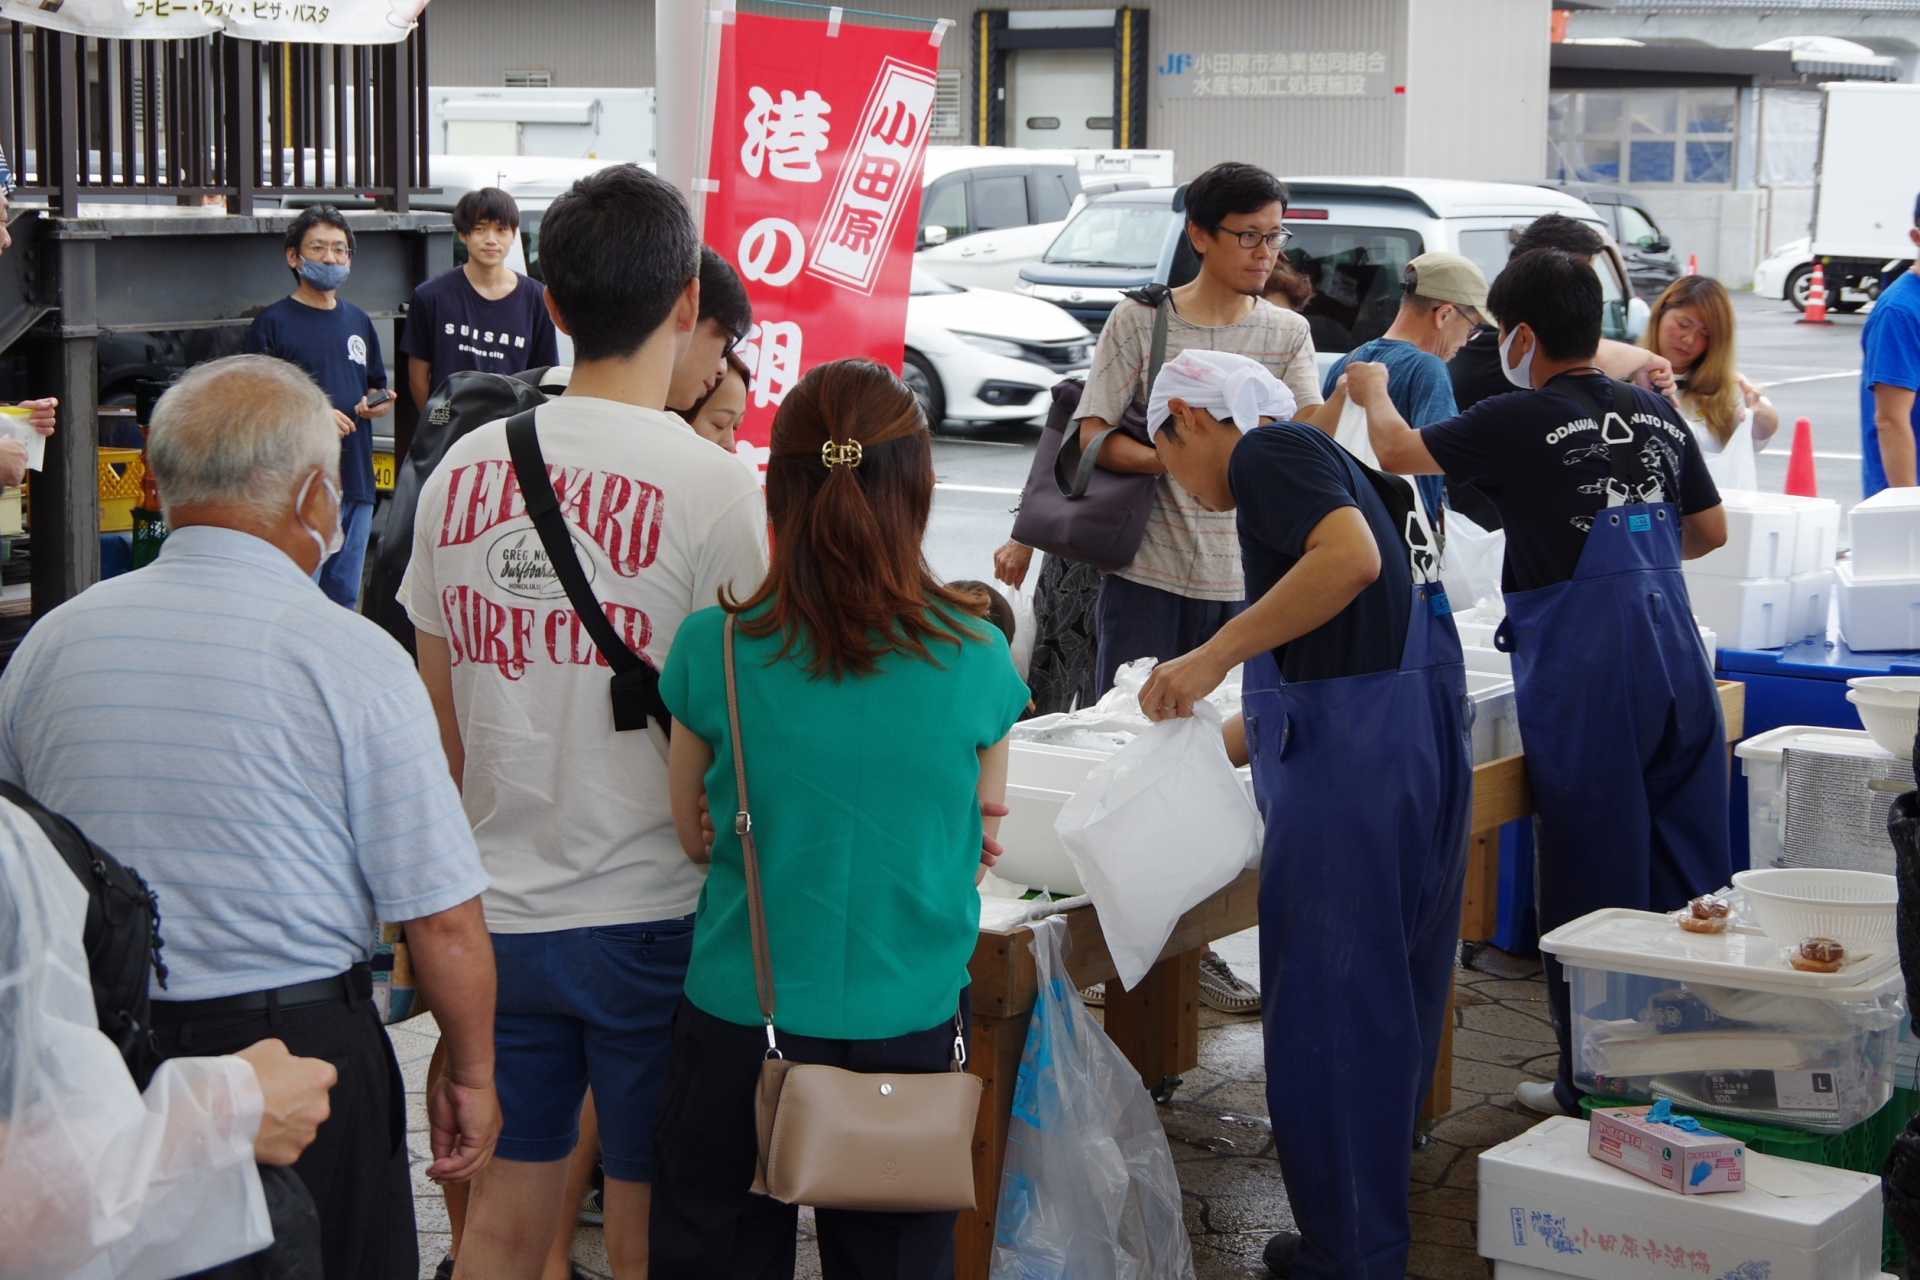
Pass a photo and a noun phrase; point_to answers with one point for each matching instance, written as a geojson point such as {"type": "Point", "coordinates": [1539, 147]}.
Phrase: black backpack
{"type": "Point", "coordinates": [464, 403]}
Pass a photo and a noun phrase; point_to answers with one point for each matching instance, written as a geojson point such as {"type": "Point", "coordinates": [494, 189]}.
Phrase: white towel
{"type": "Point", "coordinates": [1231, 387]}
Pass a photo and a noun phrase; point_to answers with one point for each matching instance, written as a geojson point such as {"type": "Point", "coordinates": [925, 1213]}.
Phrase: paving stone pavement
{"type": "Point", "coordinates": [1218, 1130]}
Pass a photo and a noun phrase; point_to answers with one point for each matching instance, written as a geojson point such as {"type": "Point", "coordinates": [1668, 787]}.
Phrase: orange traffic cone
{"type": "Point", "coordinates": [1801, 481]}
{"type": "Point", "coordinates": [1693, 264]}
{"type": "Point", "coordinates": [1816, 312]}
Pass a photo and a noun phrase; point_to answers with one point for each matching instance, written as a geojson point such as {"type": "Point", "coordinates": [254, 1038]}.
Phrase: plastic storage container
{"type": "Point", "coordinates": [1809, 604]}
{"type": "Point", "coordinates": [1761, 536]}
{"type": "Point", "coordinates": [1877, 612]}
{"type": "Point", "coordinates": [1886, 535]}
{"type": "Point", "coordinates": [1743, 613]}
{"type": "Point", "coordinates": [1721, 1022]}
{"type": "Point", "coordinates": [1546, 1206]}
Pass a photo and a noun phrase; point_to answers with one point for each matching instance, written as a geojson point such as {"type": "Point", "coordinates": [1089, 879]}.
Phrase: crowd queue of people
{"type": "Point", "coordinates": [574, 916]}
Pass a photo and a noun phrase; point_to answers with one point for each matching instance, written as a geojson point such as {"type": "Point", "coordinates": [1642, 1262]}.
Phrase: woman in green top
{"type": "Point", "coordinates": [874, 710]}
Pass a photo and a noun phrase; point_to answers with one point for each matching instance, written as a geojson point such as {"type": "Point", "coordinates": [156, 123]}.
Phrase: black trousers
{"type": "Point", "coordinates": [707, 1225]}
{"type": "Point", "coordinates": [356, 1168]}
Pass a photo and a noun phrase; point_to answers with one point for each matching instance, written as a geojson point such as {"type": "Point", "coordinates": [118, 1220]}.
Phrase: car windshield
{"type": "Point", "coordinates": [1491, 247]}
{"type": "Point", "coordinates": [1114, 234]}
{"type": "Point", "coordinates": [1355, 273]}
{"type": "Point", "coordinates": [925, 283]}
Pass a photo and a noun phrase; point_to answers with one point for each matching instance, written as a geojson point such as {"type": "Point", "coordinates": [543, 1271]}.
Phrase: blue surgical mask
{"type": "Point", "coordinates": [324, 276]}
{"type": "Point", "coordinates": [1521, 377]}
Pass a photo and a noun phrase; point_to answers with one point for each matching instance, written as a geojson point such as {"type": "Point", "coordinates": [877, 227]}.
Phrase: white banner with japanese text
{"type": "Point", "coordinates": [302, 21]}
{"type": "Point", "coordinates": [818, 136]}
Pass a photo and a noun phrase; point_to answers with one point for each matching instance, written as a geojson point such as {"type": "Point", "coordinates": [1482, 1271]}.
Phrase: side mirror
{"type": "Point", "coordinates": [1659, 244]}
{"type": "Point", "coordinates": [1638, 314]}
{"type": "Point", "coordinates": [931, 237]}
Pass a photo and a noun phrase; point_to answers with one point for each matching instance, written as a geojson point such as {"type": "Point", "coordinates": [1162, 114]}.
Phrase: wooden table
{"type": "Point", "coordinates": [1157, 1023]}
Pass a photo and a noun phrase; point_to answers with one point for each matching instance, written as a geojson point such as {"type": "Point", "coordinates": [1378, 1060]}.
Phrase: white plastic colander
{"type": "Point", "coordinates": [1794, 903]}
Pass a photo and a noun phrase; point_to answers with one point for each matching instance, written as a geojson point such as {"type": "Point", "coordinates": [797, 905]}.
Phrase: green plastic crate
{"type": "Point", "coordinates": [1863, 1148]}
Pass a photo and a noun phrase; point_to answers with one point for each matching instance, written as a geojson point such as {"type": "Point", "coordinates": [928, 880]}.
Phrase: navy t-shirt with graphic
{"type": "Point", "coordinates": [1286, 479]}
{"type": "Point", "coordinates": [339, 350]}
{"type": "Point", "coordinates": [1538, 456]}
{"type": "Point", "coordinates": [455, 330]}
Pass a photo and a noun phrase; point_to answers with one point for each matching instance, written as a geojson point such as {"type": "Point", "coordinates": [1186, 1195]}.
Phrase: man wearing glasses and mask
{"type": "Point", "coordinates": [1186, 580]}
{"type": "Point", "coordinates": [335, 342]}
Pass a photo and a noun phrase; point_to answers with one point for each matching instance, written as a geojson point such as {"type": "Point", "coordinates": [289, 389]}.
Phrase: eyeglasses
{"type": "Point", "coordinates": [321, 252]}
{"type": "Point", "coordinates": [1254, 239]}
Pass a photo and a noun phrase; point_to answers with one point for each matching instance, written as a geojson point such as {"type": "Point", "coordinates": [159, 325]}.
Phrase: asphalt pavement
{"type": "Point", "coordinates": [1810, 372]}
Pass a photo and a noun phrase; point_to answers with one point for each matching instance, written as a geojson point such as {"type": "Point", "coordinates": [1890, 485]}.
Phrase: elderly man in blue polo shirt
{"type": "Point", "coordinates": [271, 764]}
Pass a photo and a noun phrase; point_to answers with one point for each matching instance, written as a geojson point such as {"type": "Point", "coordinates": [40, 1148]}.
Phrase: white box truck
{"type": "Point", "coordinates": [1866, 180]}
{"type": "Point", "coordinates": [614, 125]}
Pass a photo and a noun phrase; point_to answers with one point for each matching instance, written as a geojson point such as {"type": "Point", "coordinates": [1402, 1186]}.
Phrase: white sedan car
{"type": "Point", "coordinates": [981, 355]}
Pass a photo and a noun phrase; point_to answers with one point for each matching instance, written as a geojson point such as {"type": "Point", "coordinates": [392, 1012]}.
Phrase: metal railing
{"type": "Point", "coordinates": [84, 118]}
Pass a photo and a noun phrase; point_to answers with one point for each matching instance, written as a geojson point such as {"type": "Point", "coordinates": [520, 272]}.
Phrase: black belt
{"type": "Point", "coordinates": [345, 988]}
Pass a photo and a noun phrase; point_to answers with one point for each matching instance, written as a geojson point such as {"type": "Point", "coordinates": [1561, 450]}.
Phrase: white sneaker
{"type": "Point", "coordinates": [1538, 1097]}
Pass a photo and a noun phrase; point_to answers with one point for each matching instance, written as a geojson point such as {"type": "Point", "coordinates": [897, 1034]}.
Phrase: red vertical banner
{"type": "Point", "coordinates": [813, 192]}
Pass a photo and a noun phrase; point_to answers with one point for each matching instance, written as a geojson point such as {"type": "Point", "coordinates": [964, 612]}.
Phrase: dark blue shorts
{"type": "Point", "coordinates": [580, 1007]}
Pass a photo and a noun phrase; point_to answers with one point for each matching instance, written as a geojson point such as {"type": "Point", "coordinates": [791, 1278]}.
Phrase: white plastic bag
{"type": "Point", "coordinates": [1156, 830]}
{"type": "Point", "coordinates": [1089, 1188]}
{"type": "Point", "coordinates": [1471, 565]}
{"type": "Point", "coordinates": [1025, 620]}
{"type": "Point", "coordinates": [1352, 435]}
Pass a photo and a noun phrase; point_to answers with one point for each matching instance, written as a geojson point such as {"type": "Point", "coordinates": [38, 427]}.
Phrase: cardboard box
{"type": "Point", "coordinates": [1692, 1163]}
{"type": "Point", "coordinates": [1546, 1204]}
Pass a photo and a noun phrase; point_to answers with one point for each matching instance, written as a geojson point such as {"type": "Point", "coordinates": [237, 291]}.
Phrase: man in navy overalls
{"type": "Point", "coordinates": [1603, 492]}
{"type": "Point", "coordinates": [1357, 724]}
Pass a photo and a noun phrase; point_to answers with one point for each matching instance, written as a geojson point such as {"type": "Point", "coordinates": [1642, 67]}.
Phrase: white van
{"type": "Point", "coordinates": [1351, 237]}
{"type": "Point", "coordinates": [986, 212]}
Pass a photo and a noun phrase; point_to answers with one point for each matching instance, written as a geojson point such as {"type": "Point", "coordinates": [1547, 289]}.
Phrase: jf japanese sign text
{"type": "Point", "coordinates": [818, 136]}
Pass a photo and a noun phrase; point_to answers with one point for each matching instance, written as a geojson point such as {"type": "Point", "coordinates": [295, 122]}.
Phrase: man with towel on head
{"type": "Point", "coordinates": [1357, 728]}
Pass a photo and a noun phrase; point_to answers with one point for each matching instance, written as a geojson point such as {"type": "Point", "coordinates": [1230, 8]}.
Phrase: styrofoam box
{"type": "Point", "coordinates": [1886, 535]}
{"type": "Point", "coordinates": [1548, 1206]}
{"type": "Point", "coordinates": [1760, 539]}
{"type": "Point", "coordinates": [1809, 604]}
{"type": "Point", "coordinates": [1877, 613]}
{"type": "Point", "coordinates": [1763, 761]}
{"type": "Point", "coordinates": [1722, 1023]}
{"type": "Point", "coordinates": [1496, 719]}
{"type": "Point", "coordinates": [1519, 1271]}
{"type": "Point", "coordinates": [1816, 543]}
{"type": "Point", "coordinates": [1743, 613]}
{"type": "Point", "coordinates": [1041, 778]}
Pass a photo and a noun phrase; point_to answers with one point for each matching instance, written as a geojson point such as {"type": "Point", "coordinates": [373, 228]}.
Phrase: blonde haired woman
{"type": "Point", "coordinates": [1692, 326]}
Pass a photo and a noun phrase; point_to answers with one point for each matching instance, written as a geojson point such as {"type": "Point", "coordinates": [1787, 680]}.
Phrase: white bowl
{"type": "Point", "coordinates": [1890, 724]}
{"type": "Point", "coordinates": [1794, 903]}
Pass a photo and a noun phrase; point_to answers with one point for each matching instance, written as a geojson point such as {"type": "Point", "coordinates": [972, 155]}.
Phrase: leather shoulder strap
{"type": "Point", "coordinates": [749, 847]}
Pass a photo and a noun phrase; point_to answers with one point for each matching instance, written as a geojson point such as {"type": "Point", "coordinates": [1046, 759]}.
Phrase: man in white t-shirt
{"type": "Point", "coordinates": [591, 901]}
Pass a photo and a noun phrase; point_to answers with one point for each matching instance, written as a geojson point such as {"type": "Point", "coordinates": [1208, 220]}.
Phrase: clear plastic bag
{"type": "Point", "coordinates": [1089, 1188]}
{"type": "Point", "coordinates": [1156, 830]}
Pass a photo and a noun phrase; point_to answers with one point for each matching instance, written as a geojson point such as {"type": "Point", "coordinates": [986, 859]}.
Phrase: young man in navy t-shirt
{"type": "Point", "coordinates": [1889, 376]}
{"type": "Point", "coordinates": [335, 342]}
{"type": "Point", "coordinates": [482, 315]}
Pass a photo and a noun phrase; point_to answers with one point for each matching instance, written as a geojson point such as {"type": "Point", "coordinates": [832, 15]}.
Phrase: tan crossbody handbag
{"type": "Point", "coordinates": [833, 1139]}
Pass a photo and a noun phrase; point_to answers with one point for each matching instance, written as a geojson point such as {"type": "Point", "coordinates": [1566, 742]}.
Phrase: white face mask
{"type": "Point", "coordinates": [329, 547]}
{"type": "Point", "coordinates": [1521, 377]}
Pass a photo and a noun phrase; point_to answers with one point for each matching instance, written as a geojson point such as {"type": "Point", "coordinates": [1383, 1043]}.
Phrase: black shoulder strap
{"type": "Point", "coordinates": [636, 685]}
{"type": "Point", "coordinates": [1082, 461]}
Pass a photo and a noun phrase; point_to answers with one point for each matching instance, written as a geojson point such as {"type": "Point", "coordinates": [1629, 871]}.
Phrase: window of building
{"type": "Point", "coordinates": [529, 78]}
{"type": "Point", "coordinates": [1643, 136]}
